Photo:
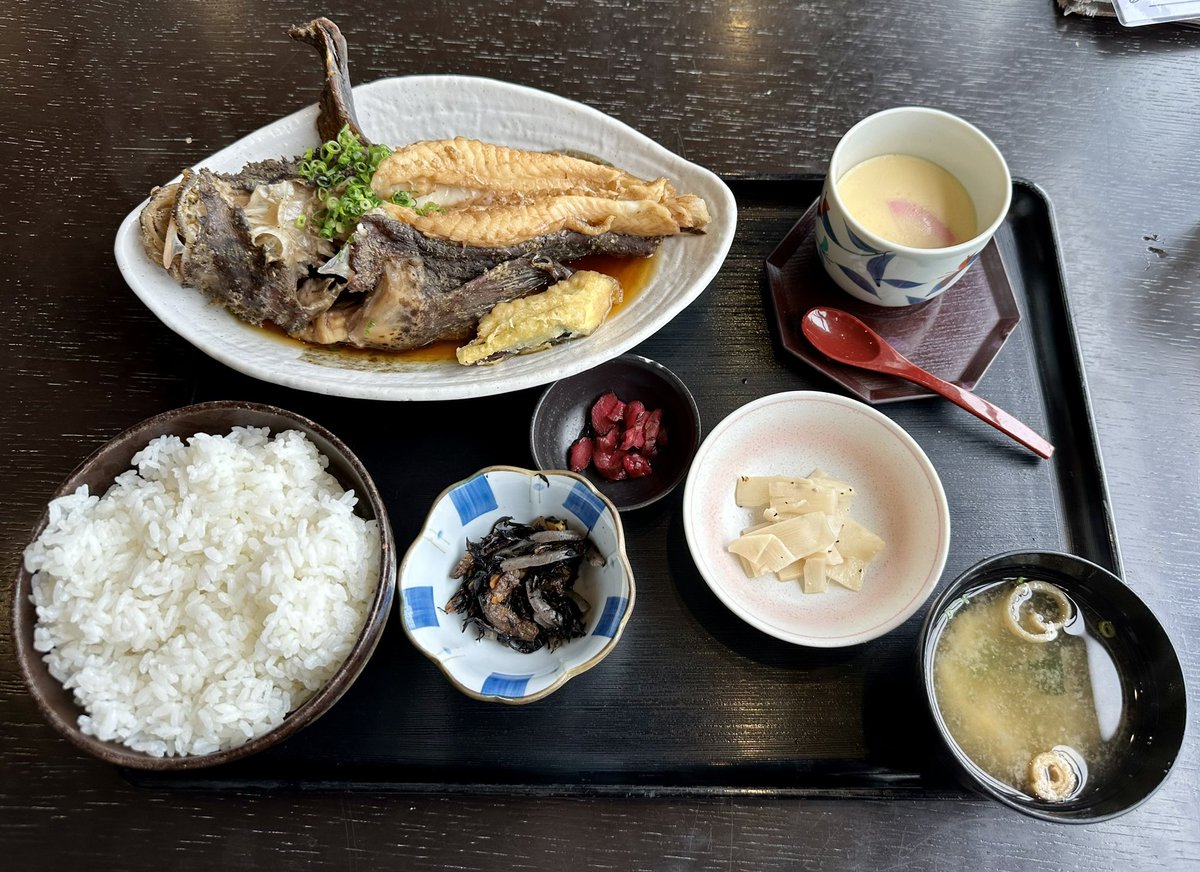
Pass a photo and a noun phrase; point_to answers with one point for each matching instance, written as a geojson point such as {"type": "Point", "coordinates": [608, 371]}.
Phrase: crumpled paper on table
{"type": "Point", "coordinates": [1104, 9]}
{"type": "Point", "coordinates": [1087, 7]}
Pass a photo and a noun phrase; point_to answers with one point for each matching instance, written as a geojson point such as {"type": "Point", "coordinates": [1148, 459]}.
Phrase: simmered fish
{"type": "Point", "coordinates": [440, 233]}
{"type": "Point", "coordinates": [408, 290]}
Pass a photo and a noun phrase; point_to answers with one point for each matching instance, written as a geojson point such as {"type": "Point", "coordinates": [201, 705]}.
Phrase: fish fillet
{"type": "Point", "coordinates": [486, 170]}
{"type": "Point", "coordinates": [492, 195]}
{"type": "Point", "coordinates": [510, 224]}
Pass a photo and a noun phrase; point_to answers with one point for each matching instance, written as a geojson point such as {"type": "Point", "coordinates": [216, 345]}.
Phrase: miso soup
{"type": "Point", "coordinates": [1027, 689]}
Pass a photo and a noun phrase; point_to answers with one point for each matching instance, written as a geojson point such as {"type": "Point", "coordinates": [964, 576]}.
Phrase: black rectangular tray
{"type": "Point", "coordinates": [693, 701]}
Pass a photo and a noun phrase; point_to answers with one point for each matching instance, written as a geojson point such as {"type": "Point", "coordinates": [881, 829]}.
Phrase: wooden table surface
{"type": "Point", "coordinates": [102, 103]}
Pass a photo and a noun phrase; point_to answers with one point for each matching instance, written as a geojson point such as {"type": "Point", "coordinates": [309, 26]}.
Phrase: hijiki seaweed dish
{"type": "Point", "coordinates": [518, 584]}
{"type": "Point", "coordinates": [355, 243]}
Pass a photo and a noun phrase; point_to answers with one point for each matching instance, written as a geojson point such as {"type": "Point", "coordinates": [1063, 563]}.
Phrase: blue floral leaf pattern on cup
{"type": "Point", "coordinates": [858, 279]}
{"type": "Point", "coordinates": [829, 230]}
{"type": "Point", "coordinates": [903, 284]}
{"type": "Point", "coordinates": [914, 300]}
{"type": "Point", "coordinates": [861, 245]}
{"type": "Point", "coordinates": [877, 265]}
{"type": "Point", "coordinates": [945, 280]}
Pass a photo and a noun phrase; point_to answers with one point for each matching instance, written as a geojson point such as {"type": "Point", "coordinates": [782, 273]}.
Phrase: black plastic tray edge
{"type": "Point", "coordinates": [1111, 559]}
{"type": "Point", "coordinates": [539, 791]}
{"type": "Point", "coordinates": [1089, 455]}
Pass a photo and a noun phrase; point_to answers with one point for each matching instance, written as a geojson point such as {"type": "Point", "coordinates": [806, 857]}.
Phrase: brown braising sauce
{"type": "Point", "coordinates": [632, 272]}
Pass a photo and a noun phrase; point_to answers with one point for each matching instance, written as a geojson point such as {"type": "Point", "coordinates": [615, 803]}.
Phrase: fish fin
{"type": "Point", "coordinates": [337, 101]}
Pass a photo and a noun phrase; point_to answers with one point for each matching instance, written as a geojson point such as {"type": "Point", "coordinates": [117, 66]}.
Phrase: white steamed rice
{"type": "Point", "coordinates": [212, 590]}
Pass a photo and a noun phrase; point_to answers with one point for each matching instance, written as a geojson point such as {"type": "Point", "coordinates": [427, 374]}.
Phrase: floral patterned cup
{"type": "Point", "coordinates": [886, 273]}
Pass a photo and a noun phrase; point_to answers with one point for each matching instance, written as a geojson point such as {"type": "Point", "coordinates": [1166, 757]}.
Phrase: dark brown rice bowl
{"type": "Point", "coordinates": [58, 705]}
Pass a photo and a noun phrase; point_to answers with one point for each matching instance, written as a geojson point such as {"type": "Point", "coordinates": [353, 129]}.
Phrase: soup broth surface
{"type": "Point", "coordinates": [909, 200]}
{"type": "Point", "coordinates": [1005, 699]}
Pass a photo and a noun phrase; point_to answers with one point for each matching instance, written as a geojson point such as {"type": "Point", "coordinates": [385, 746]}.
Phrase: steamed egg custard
{"type": "Point", "coordinates": [909, 200]}
{"type": "Point", "coordinates": [1027, 690]}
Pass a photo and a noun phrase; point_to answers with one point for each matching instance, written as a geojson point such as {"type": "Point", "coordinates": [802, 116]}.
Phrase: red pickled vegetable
{"type": "Point", "coordinates": [635, 420]}
{"type": "Point", "coordinates": [581, 454]}
{"type": "Point", "coordinates": [636, 465]}
{"type": "Point", "coordinates": [635, 414]}
{"type": "Point", "coordinates": [650, 429]}
{"type": "Point", "coordinates": [610, 463]}
{"type": "Point", "coordinates": [606, 412]}
{"type": "Point", "coordinates": [625, 436]}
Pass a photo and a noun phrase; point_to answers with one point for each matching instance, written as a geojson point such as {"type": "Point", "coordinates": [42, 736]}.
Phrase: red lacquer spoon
{"type": "Point", "coordinates": [842, 337]}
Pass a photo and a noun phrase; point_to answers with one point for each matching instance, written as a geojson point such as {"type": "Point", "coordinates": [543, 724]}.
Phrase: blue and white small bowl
{"type": "Point", "coordinates": [485, 668]}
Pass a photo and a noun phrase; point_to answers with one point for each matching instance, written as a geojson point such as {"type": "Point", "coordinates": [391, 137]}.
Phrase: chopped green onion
{"type": "Point", "coordinates": [341, 172]}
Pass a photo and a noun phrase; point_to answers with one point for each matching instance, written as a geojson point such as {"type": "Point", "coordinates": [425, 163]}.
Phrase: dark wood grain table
{"type": "Point", "coordinates": [103, 100]}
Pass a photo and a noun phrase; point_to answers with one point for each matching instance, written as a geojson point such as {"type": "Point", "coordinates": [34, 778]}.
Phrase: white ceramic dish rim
{"type": "Point", "coordinates": [568, 674]}
{"type": "Point", "coordinates": [977, 241]}
{"type": "Point", "coordinates": [943, 510]}
{"type": "Point", "coordinates": [393, 385]}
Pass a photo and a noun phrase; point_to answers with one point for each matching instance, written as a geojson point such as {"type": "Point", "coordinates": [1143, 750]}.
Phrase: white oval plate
{"type": "Point", "coordinates": [898, 495]}
{"type": "Point", "coordinates": [410, 108]}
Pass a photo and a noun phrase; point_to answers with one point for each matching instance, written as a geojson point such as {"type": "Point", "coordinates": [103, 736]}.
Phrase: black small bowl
{"type": "Point", "coordinates": [563, 412]}
{"type": "Point", "coordinates": [1155, 707]}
